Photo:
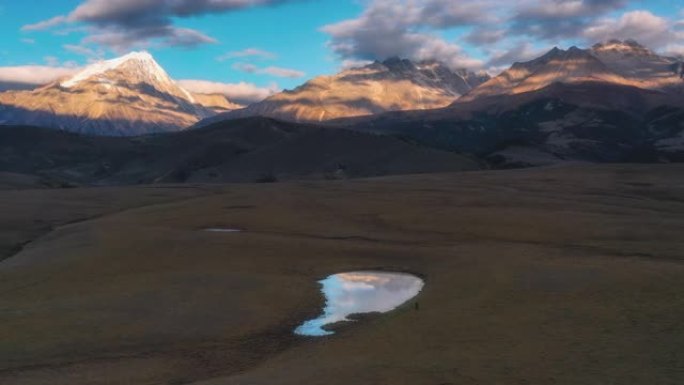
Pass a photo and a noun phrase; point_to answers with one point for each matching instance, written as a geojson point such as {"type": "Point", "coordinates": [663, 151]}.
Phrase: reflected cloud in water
{"type": "Point", "coordinates": [220, 230]}
{"type": "Point", "coordinates": [358, 293]}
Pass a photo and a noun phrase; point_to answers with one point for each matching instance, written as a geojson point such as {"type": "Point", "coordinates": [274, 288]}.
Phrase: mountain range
{"type": "Point", "coordinates": [615, 62]}
{"type": "Point", "coordinates": [617, 101]}
{"type": "Point", "coordinates": [393, 85]}
{"type": "Point", "coordinates": [130, 95]}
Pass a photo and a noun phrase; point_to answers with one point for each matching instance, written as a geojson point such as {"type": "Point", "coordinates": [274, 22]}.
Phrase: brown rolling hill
{"type": "Point", "coordinates": [246, 150]}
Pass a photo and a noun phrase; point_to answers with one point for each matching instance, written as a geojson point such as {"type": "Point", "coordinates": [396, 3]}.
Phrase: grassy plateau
{"type": "Point", "coordinates": [561, 275]}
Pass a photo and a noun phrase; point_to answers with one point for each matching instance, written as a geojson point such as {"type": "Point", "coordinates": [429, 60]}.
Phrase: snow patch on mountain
{"type": "Point", "coordinates": [129, 95]}
{"type": "Point", "coordinates": [616, 62]}
{"type": "Point", "coordinates": [147, 66]}
{"type": "Point", "coordinates": [638, 63]}
{"type": "Point", "coordinates": [137, 67]}
{"type": "Point", "coordinates": [391, 85]}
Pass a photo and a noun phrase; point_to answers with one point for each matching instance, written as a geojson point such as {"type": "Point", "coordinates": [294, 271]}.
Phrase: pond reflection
{"type": "Point", "coordinates": [221, 230]}
{"type": "Point", "coordinates": [358, 293]}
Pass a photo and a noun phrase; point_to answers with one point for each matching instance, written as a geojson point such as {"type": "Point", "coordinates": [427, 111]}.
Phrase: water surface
{"type": "Point", "coordinates": [221, 230]}
{"type": "Point", "coordinates": [358, 293]}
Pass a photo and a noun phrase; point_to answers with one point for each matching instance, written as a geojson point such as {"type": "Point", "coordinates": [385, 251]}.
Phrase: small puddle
{"type": "Point", "coordinates": [358, 293]}
{"type": "Point", "coordinates": [220, 230]}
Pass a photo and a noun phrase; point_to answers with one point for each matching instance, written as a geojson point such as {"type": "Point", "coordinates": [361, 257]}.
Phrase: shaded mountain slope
{"type": "Point", "coordinates": [563, 122]}
{"type": "Point", "coordinates": [247, 150]}
{"type": "Point", "coordinates": [615, 102]}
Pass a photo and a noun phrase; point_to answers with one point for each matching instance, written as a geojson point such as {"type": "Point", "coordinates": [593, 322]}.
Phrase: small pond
{"type": "Point", "coordinates": [222, 230]}
{"type": "Point", "coordinates": [358, 293]}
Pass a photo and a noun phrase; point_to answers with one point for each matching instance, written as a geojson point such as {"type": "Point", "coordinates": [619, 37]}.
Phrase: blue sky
{"type": "Point", "coordinates": [289, 31]}
{"type": "Point", "coordinates": [300, 39]}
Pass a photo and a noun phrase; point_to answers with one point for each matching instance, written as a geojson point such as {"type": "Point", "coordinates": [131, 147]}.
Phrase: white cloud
{"type": "Point", "coordinates": [45, 24]}
{"type": "Point", "coordinates": [35, 75]}
{"type": "Point", "coordinates": [565, 9]}
{"type": "Point", "coordinates": [246, 53]}
{"type": "Point", "coordinates": [51, 61]}
{"type": "Point", "coordinates": [92, 54]}
{"type": "Point", "coordinates": [351, 63]}
{"type": "Point", "coordinates": [125, 24]}
{"type": "Point", "coordinates": [282, 72]}
{"type": "Point", "coordinates": [271, 71]}
{"type": "Point", "coordinates": [485, 36]}
{"type": "Point", "coordinates": [242, 93]}
{"type": "Point", "coordinates": [463, 33]}
{"type": "Point", "coordinates": [416, 29]}
{"type": "Point", "coordinates": [643, 26]}
{"type": "Point", "coordinates": [500, 60]}
{"type": "Point", "coordinates": [676, 50]}
{"type": "Point", "coordinates": [122, 41]}
{"type": "Point", "coordinates": [390, 28]}
{"type": "Point", "coordinates": [246, 67]}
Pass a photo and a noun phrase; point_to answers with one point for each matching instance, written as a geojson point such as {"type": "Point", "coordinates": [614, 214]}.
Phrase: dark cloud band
{"type": "Point", "coordinates": [124, 24]}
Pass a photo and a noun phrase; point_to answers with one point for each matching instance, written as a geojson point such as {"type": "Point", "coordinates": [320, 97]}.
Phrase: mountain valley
{"type": "Point", "coordinates": [341, 192]}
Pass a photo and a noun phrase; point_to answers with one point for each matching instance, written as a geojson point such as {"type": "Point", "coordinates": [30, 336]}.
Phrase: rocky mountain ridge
{"type": "Point", "coordinates": [130, 95]}
{"type": "Point", "coordinates": [625, 63]}
{"type": "Point", "coordinates": [392, 85]}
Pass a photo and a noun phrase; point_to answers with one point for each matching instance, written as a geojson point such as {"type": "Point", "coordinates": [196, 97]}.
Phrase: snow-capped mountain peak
{"type": "Point", "coordinates": [133, 68]}
{"type": "Point", "coordinates": [641, 66]}
{"type": "Point", "coordinates": [626, 48]}
{"type": "Point", "coordinates": [141, 63]}
{"type": "Point", "coordinates": [128, 95]}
